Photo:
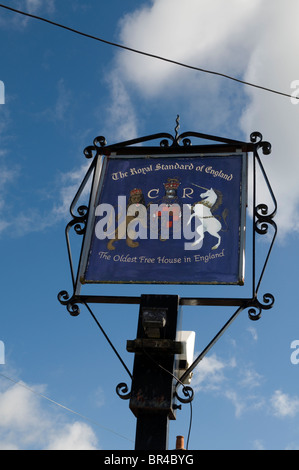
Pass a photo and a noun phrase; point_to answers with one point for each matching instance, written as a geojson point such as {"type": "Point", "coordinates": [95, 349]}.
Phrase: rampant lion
{"type": "Point", "coordinates": [136, 199]}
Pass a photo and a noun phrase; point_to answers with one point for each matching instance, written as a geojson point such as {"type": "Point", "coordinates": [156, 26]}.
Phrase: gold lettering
{"type": "Point", "coordinates": [187, 192]}
{"type": "Point", "coordinates": [153, 190]}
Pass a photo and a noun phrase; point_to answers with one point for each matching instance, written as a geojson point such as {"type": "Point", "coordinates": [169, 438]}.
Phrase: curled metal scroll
{"type": "Point", "coordinates": [186, 142]}
{"type": "Point", "coordinates": [82, 213]}
{"type": "Point", "coordinates": [123, 392]}
{"type": "Point", "coordinates": [164, 143]}
{"type": "Point", "coordinates": [188, 392]}
{"type": "Point", "coordinates": [100, 142]}
{"type": "Point", "coordinates": [71, 304]}
{"type": "Point", "coordinates": [90, 152]}
{"type": "Point", "coordinates": [264, 219]}
{"type": "Point", "coordinates": [257, 139]}
{"type": "Point", "coordinates": [79, 225]}
{"type": "Point", "coordinates": [255, 307]}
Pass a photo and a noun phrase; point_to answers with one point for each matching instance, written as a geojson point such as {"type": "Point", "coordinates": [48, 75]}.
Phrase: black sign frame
{"type": "Point", "coordinates": [262, 216]}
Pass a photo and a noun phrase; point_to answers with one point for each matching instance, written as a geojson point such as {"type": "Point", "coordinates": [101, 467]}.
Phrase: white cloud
{"type": "Point", "coordinates": [196, 32]}
{"type": "Point", "coordinates": [276, 117]}
{"type": "Point", "coordinates": [25, 424]}
{"type": "Point", "coordinates": [253, 332]}
{"type": "Point", "coordinates": [238, 402]}
{"type": "Point", "coordinates": [214, 375]}
{"type": "Point", "coordinates": [35, 219]}
{"type": "Point", "coordinates": [76, 436]}
{"type": "Point", "coordinates": [209, 374]}
{"type": "Point", "coordinates": [68, 185]}
{"type": "Point", "coordinates": [9, 172]}
{"type": "Point", "coordinates": [98, 397]}
{"type": "Point", "coordinates": [63, 101]}
{"type": "Point", "coordinates": [251, 40]}
{"type": "Point", "coordinates": [250, 378]}
{"type": "Point", "coordinates": [121, 120]}
{"type": "Point", "coordinates": [32, 219]}
{"type": "Point", "coordinates": [258, 445]}
{"type": "Point", "coordinates": [7, 177]}
{"type": "Point", "coordinates": [59, 111]}
{"type": "Point", "coordinates": [283, 405]}
{"type": "Point", "coordinates": [210, 35]}
{"type": "Point", "coordinates": [33, 7]}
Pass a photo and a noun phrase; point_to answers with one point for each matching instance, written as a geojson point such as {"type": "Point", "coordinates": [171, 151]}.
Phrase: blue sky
{"type": "Point", "coordinates": [61, 91]}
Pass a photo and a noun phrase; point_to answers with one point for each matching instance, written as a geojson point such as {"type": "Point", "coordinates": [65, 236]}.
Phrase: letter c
{"type": "Point", "coordinates": [153, 190]}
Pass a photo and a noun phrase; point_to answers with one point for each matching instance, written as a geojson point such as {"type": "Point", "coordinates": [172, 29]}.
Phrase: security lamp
{"type": "Point", "coordinates": [153, 321]}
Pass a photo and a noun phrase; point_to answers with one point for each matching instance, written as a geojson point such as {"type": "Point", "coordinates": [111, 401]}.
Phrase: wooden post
{"type": "Point", "coordinates": [152, 396]}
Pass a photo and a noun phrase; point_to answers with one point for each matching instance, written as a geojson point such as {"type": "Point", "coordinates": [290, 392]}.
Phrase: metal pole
{"type": "Point", "coordinates": [152, 398]}
{"type": "Point", "coordinates": [152, 431]}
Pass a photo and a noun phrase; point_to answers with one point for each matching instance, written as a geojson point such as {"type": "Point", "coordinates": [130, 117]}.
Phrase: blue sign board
{"type": "Point", "coordinates": [175, 219]}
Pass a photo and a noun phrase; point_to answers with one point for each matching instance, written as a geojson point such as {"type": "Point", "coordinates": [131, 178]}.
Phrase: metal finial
{"type": "Point", "coordinates": [177, 127]}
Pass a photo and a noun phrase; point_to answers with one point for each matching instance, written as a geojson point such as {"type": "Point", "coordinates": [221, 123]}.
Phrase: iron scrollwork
{"type": "Point", "coordinates": [255, 307]}
{"type": "Point", "coordinates": [262, 221]}
{"type": "Point", "coordinates": [257, 139]}
{"type": "Point", "coordinates": [262, 216]}
{"type": "Point", "coordinates": [70, 303]}
{"type": "Point", "coordinates": [188, 392]}
{"type": "Point", "coordinates": [78, 224]}
{"type": "Point", "coordinates": [79, 221]}
{"type": "Point", "coordinates": [123, 392]}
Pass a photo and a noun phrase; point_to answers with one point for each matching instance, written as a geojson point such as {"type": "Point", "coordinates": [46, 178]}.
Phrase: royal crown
{"type": "Point", "coordinates": [172, 183]}
{"type": "Point", "coordinates": [135, 191]}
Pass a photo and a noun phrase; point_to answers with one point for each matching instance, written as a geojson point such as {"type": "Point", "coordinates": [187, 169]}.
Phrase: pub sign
{"type": "Point", "coordinates": [173, 219]}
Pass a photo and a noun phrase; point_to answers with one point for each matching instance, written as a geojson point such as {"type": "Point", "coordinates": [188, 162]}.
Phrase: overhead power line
{"type": "Point", "coordinates": [147, 54]}
{"type": "Point", "coordinates": [22, 384]}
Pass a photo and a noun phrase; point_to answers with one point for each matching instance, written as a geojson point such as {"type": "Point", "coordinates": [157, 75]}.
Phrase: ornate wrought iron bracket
{"type": "Point", "coordinates": [262, 221]}
{"type": "Point", "coordinates": [262, 216]}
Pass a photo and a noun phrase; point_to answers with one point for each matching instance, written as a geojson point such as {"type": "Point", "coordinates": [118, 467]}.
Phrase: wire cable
{"type": "Point", "coordinates": [190, 426]}
{"type": "Point", "coordinates": [147, 54]}
{"type": "Point", "coordinates": [21, 384]}
{"type": "Point", "coordinates": [107, 338]}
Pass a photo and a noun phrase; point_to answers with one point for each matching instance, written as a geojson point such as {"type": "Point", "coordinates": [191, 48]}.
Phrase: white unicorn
{"type": "Point", "coordinates": [209, 223]}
